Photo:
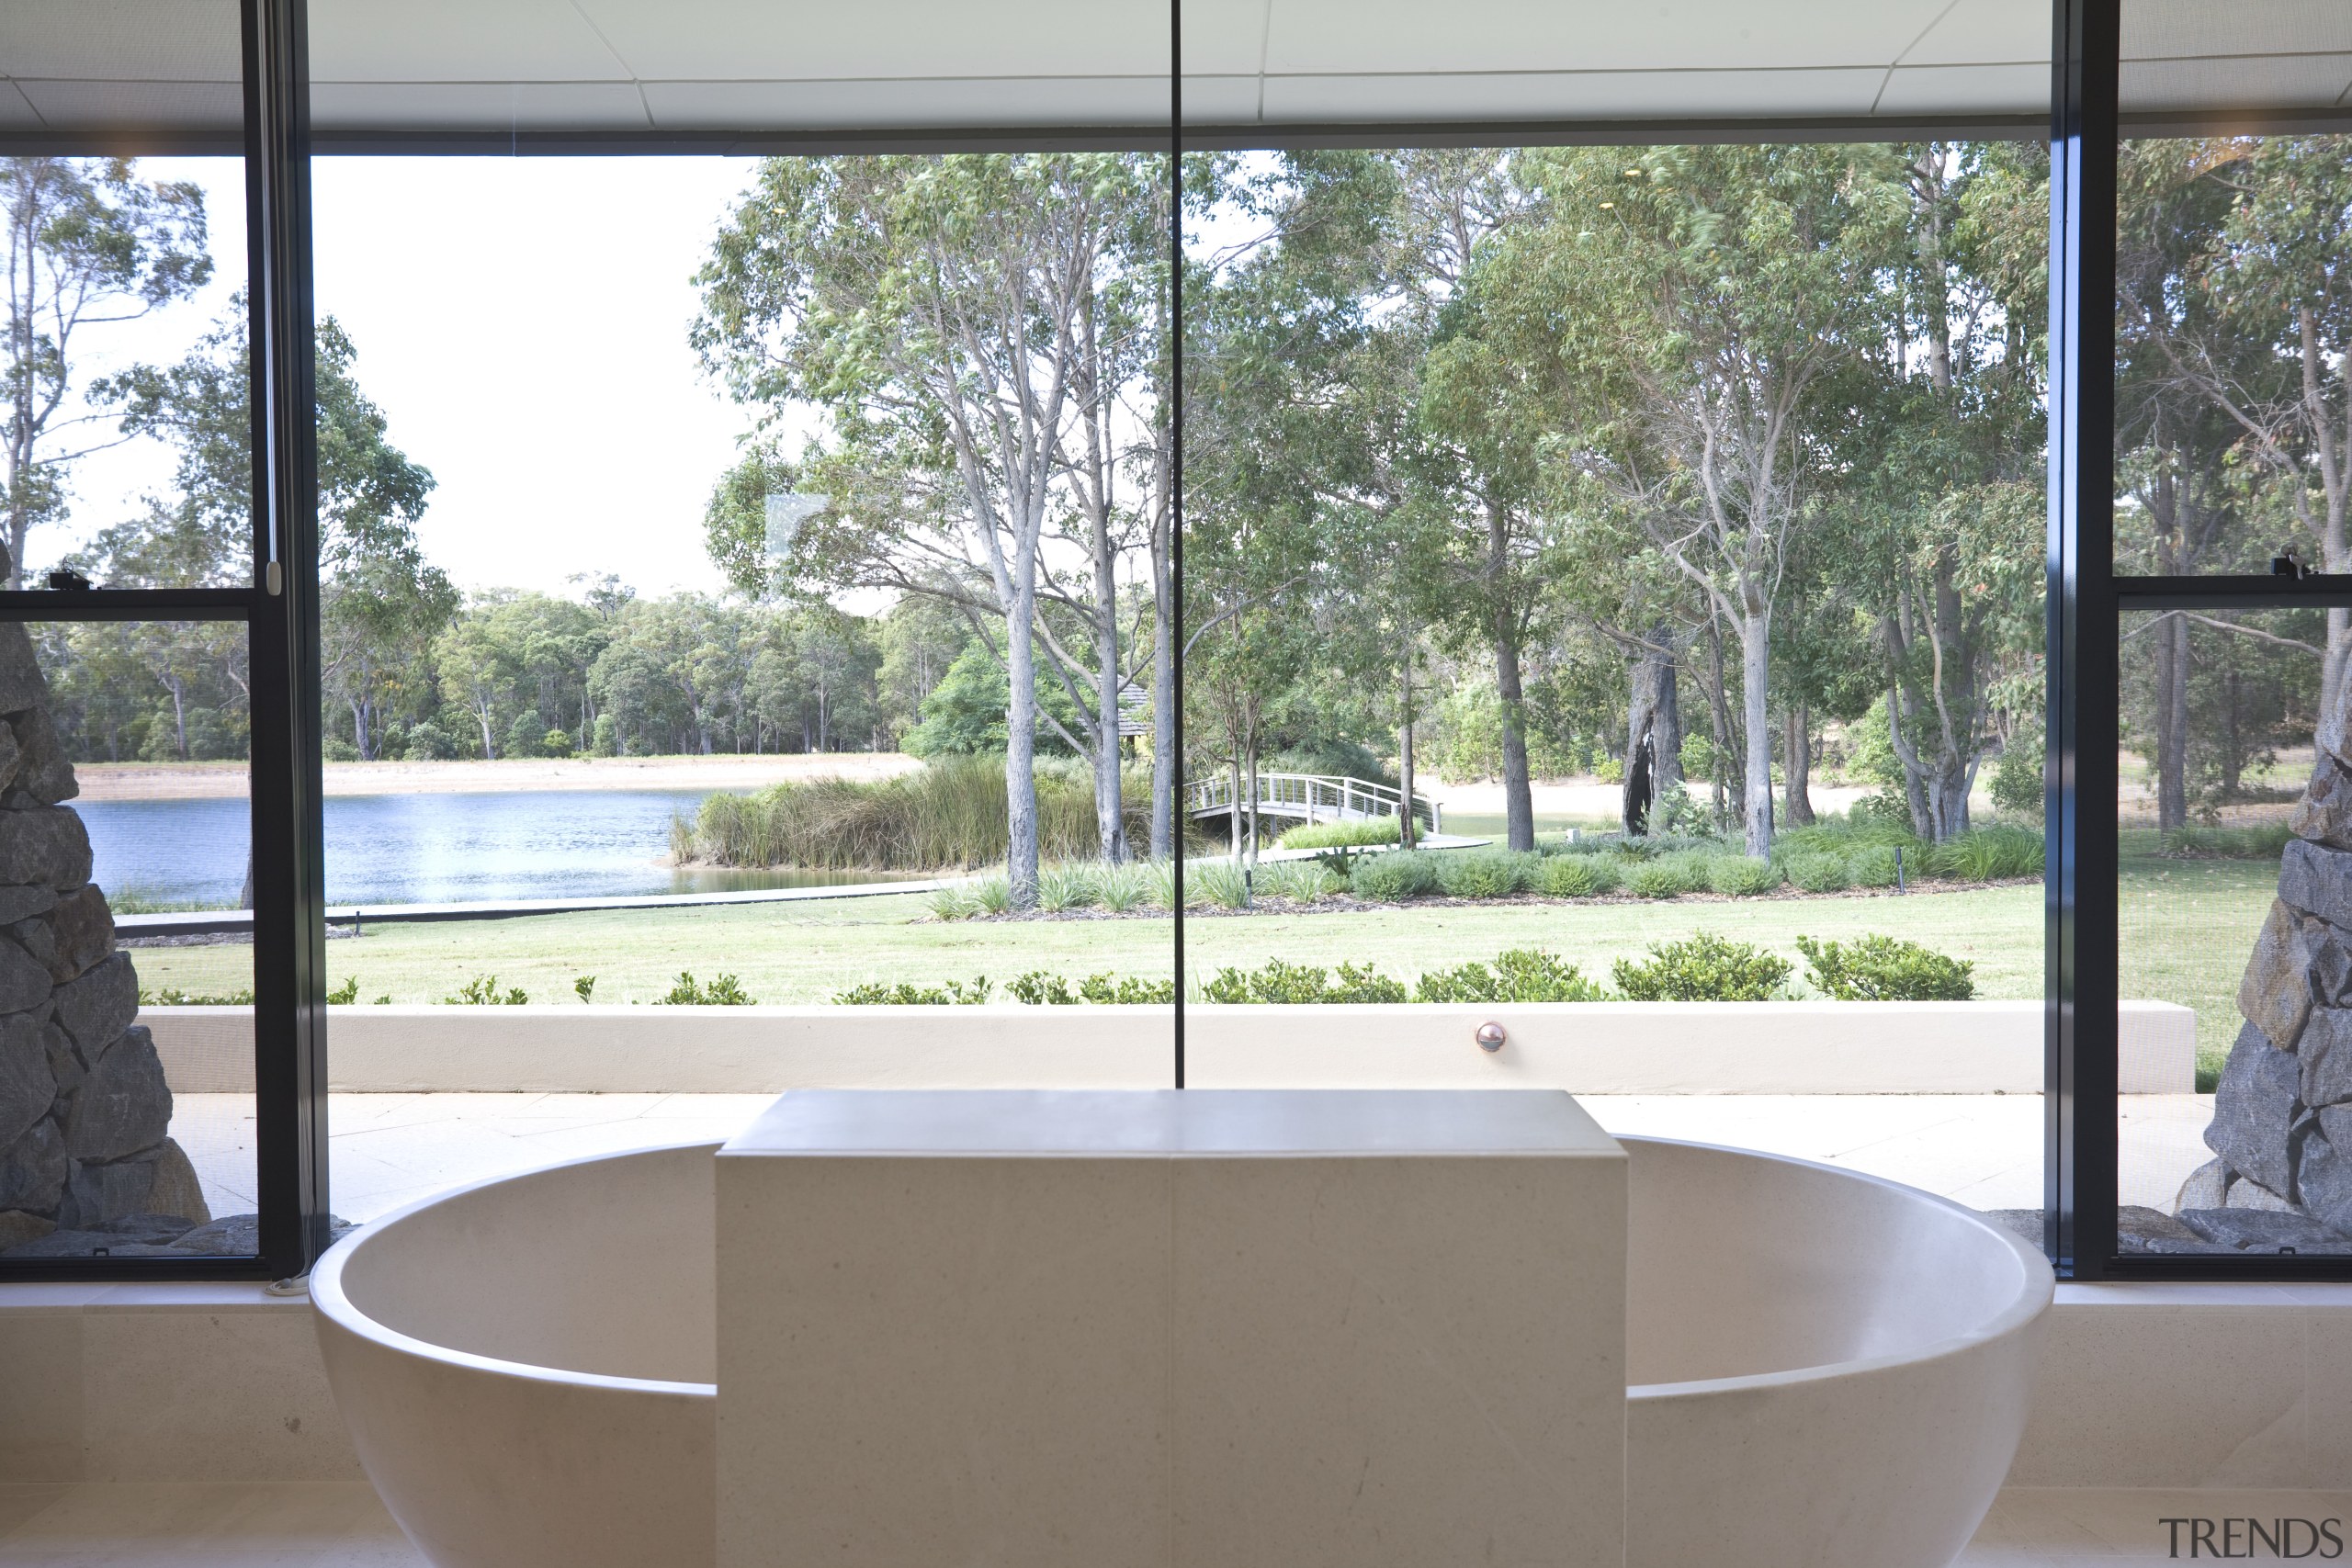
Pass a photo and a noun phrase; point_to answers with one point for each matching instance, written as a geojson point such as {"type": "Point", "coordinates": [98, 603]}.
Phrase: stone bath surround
{"type": "Point", "coordinates": [2282, 1114]}
{"type": "Point", "coordinates": [86, 1159]}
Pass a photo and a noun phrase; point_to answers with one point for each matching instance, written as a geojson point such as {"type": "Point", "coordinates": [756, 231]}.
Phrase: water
{"type": "Point", "coordinates": [425, 849]}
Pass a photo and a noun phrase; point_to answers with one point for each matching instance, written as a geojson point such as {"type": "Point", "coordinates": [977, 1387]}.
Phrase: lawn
{"type": "Point", "coordinates": [806, 951]}
{"type": "Point", "coordinates": [2187, 927]}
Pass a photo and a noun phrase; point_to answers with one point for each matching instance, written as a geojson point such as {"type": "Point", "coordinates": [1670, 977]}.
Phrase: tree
{"type": "Point", "coordinates": [89, 243]}
{"type": "Point", "coordinates": [1681, 310]}
{"type": "Point", "coordinates": [945, 314]}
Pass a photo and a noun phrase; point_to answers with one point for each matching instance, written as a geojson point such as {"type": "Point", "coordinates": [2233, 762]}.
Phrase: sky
{"type": "Point", "coordinates": [521, 323]}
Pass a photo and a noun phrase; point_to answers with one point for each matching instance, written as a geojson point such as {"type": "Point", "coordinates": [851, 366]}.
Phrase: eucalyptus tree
{"type": "Point", "coordinates": [1680, 309]}
{"type": "Point", "coordinates": [89, 243]}
{"type": "Point", "coordinates": [938, 311]}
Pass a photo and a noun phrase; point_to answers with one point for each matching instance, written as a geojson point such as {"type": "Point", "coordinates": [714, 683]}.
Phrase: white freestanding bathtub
{"type": "Point", "coordinates": [1829, 1371]}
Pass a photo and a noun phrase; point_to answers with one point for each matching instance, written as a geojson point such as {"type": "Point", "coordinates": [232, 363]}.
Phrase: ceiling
{"type": "Point", "coordinates": [688, 69]}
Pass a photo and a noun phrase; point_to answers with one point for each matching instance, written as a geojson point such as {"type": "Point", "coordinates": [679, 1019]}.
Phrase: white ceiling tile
{"type": "Point", "coordinates": [1225, 37]}
{"type": "Point", "coordinates": [1631, 94]}
{"type": "Point", "coordinates": [802, 39]}
{"type": "Point", "coordinates": [2273, 81]}
{"type": "Point", "coordinates": [1967, 89]}
{"type": "Point", "coordinates": [1977, 32]}
{"type": "Point", "coordinates": [792, 105]}
{"type": "Point", "coordinates": [189, 40]}
{"type": "Point", "coordinates": [96, 104]}
{"type": "Point", "coordinates": [476, 106]}
{"type": "Point", "coordinates": [1220, 100]}
{"type": "Point", "coordinates": [1411, 36]}
{"type": "Point", "coordinates": [455, 40]}
{"type": "Point", "coordinates": [2157, 29]}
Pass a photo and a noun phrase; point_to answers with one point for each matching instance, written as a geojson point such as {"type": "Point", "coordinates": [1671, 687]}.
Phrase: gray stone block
{"type": "Point", "coordinates": [236, 1235]}
{"type": "Point", "coordinates": [2325, 1055]}
{"type": "Point", "coordinates": [123, 1107]}
{"type": "Point", "coordinates": [18, 1228]}
{"type": "Point", "coordinates": [129, 1235]}
{"type": "Point", "coordinates": [45, 845]}
{"type": "Point", "coordinates": [98, 1194]}
{"type": "Point", "coordinates": [22, 685]}
{"type": "Point", "coordinates": [2324, 813]}
{"type": "Point", "coordinates": [2261, 1230]}
{"type": "Point", "coordinates": [28, 1083]}
{"type": "Point", "coordinates": [177, 1190]}
{"type": "Point", "coordinates": [2275, 993]}
{"type": "Point", "coordinates": [23, 979]}
{"type": "Point", "coordinates": [70, 938]}
{"type": "Point", "coordinates": [22, 902]}
{"type": "Point", "coordinates": [65, 1063]}
{"type": "Point", "coordinates": [100, 1005]}
{"type": "Point", "coordinates": [2246, 1193]}
{"type": "Point", "coordinates": [2207, 1188]}
{"type": "Point", "coordinates": [2255, 1110]}
{"type": "Point", "coordinates": [2144, 1230]}
{"type": "Point", "coordinates": [33, 1169]}
{"type": "Point", "coordinates": [2317, 880]}
{"type": "Point", "coordinates": [42, 770]}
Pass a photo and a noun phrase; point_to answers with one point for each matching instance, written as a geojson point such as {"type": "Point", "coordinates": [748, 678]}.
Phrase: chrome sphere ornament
{"type": "Point", "coordinates": [1491, 1036]}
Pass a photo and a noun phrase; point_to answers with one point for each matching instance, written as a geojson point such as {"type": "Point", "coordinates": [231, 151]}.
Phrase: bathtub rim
{"type": "Point", "coordinates": [335, 1306]}
{"type": "Point", "coordinates": [2040, 1288]}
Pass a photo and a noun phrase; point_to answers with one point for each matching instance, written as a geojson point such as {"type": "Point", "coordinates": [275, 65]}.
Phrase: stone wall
{"type": "Point", "coordinates": [85, 1161]}
{"type": "Point", "coordinates": [2282, 1114]}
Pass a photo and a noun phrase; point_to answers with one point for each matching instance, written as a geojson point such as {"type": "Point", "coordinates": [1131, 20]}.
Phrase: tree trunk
{"type": "Point", "coordinates": [1021, 747]}
{"type": "Point", "coordinates": [1652, 734]}
{"type": "Point", "coordinates": [1755, 670]}
{"type": "Point", "coordinates": [1719, 715]}
{"type": "Point", "coordinates": [1110, 816]}
{"type": "Point", "coordinates": [481, 712]}
{"type": "Point", "coordinates": [1164, 760]}
{"type": "Point", "coordinates": [1408, 833]}
{"type": "Point", "coordinates": [1797, 764]}
{"type": "Point", "coordinates": [1518, 797]}
{"type": "Point", "coordinates": [2172, 723]}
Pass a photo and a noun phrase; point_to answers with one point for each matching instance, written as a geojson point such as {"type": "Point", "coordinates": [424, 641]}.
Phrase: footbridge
{"type": "Point", "coordinates": [1288, 800]}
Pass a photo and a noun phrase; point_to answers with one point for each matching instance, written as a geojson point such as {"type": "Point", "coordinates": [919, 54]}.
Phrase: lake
{"type": "Point", "coordinates": [424, 849]}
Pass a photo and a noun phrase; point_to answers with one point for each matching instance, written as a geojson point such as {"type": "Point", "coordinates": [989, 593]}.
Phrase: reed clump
{"type": "Point", "coordinates": [948, 815]}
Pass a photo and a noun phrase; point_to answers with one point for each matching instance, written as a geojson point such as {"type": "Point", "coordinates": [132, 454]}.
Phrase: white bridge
{"type": "Point", "coordinates": [1306, 798]}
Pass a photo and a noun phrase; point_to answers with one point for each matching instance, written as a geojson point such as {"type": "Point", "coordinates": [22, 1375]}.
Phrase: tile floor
{"type": "Point", "coordinates": [334, 1524]}
{"type": "Point", "coordinates": [1984, 1150]}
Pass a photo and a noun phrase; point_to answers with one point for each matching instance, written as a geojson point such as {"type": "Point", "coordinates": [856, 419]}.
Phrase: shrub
{"type": "Point", "coordinates": [1122, 887]}
{"type": "Point", "coordinates": [1521, 974]}
{"type": "Point", "coordinates": [1303, 879]}
{"type": "Point", "coordinates": [172, 997]}
{"type": "Point", "coordinates": [2017, 780]}
{"type": "Point", "coordinates": [1984, 855]}
{"type": "Point", "coordinates": [2266, 842]}
{"type": "Point", "coordinates": [724, 992]}
{"type": "Point", "coordinates": [992, 895]}
{"type": "Point", "coordinates": [952, 904]}
{"type": "Point", "coordinates": [1742, 877]}
{"type": "Point", "coordinates": [1705, 969]}
{"type": "Point", "coordinates": [1217, 881]}
{"type": "Point", "coordinates": [1296, 983]}
{"type": "Point", "coordinates": [1654, 879]}
{"type": "Point", "coordinates": [1886, 808]}
{"type": "Point", "coordinates": [1128, 990]}
{"type": "Point", "coordinates": [483, 991]}
{"type": "Point", "coordinates": [1819, 873]}
{"type": "Point", "coordinates": [1873, 865]}
{"type": "Point", "coordinates": [1065, 887]}
{"type": "Point", "coordinates": [1160, 882]}
{"type": "Point", "coordinates": [1398, 875]}
{"type": "Point", "coordinates": [344, 994]}
{"type": "Point", "coordinates": [584, 988]}
{"type": "Point", "coordinates": [1040, 989]}
{"type": "Point", "coordinates": [1577, 877]}
{"type": "Point", "coordinates": [1329, 835]}
{"type": "Point", "coordinates": [1485, 874]}
{"type": "Point", "coordinates": [1885, 969]}
{"type": "Point", "coordinates": [875, 993]}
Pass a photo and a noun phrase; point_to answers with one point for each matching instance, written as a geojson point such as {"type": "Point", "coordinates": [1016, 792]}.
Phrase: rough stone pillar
{"type": "Point", "coordinates": [85, 1159]}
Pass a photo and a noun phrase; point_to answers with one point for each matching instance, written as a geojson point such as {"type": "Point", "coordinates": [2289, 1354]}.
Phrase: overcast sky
{"type": "Point", "coordinates": [521, 322]}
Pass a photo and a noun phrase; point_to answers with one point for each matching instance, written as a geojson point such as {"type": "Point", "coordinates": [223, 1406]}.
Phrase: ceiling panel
{"type": "Point", "coordinates": [481, 106]}
{"type": "Point", "coordinates": [1976, 32]}
{"type": "Point", "coordinates": [1932, 90]}
{"type": "Point", "coordinates": [171, 105]}
{"type": "Point", "coordinates": [186, 41]}
{"type": "Point", "coordinates": [446, 41]}
{"type": "Point", "coordinates": [1567, 95]}
{"type": "Point", "coordinates": [2247, 81]}
{"type": "Point", "coordinates": [882, 39]}
{"type": "Point", "coordinates": [946, 104]}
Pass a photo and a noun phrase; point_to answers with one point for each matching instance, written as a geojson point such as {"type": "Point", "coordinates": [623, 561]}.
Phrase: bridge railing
{"type": "Point", "coordinates": [1311, 798]}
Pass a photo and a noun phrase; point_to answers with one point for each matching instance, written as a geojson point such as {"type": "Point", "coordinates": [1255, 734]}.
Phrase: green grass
{"type": "Point", "coordinates": [801, 952]}
{"type": "Point", "coordinates": [2186, 927]}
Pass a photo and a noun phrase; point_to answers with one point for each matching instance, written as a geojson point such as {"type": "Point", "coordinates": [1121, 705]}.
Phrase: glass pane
{"type": "Point", "coordinates": [126, 959]}
{"type": "Point", "coordinates": [1468, 524]}
{"type": "Point", "coordinates": [2229, 948]}
{"type": "Point", "coordinates": [677, 647]}
{"type": "Point", "coordinates": [2232, 325]}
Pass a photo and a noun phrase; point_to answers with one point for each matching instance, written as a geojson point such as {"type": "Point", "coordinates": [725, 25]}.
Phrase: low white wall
{"type": "Point", "coordinates": [1809, 1047]}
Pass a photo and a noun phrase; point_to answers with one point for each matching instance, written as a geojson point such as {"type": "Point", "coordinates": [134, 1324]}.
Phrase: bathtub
{"type": "Point", "coordinates": [1828, 1371]}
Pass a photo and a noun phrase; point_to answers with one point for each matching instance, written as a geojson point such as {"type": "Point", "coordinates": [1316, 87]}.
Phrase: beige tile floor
{"type": "Point", "coordinates": [1984, 1150]}
{"type": "Point", "coordinates": [336, 1525]}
